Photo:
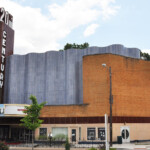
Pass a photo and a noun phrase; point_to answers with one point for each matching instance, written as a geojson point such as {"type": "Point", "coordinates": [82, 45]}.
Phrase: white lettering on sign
{"type": "Point", "coordinates": [2, 65]}
{"type": "Point", "coordinates": [6, 17]}
{"type": "Point", "coordinates": [4, 42]}
{"type": "Point", "coordinates": [3, 58]}
{"type": "Point", "coordinates": [1, 84]}
{"type": "Point", "coordinates": [3, 50]}
{"type": "Point", "coordinates": [4, 34]}
{"type": "Point", "coordinates": [1, 76]}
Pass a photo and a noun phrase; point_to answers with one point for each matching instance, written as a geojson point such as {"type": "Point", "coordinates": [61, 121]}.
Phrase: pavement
{"type": "Point", "coordinates": [131, 146]}
{"type": "Point", "coordinates": [128, 146]}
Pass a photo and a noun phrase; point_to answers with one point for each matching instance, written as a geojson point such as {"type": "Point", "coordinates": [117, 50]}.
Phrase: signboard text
{"type": "Point", "coordinates": [6, 17]}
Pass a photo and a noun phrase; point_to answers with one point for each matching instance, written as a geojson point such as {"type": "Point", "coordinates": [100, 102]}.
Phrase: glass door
{"type": "Point", "coordinates": [125, 133]}
{"type": "Point", "coordinates": [73, 135]}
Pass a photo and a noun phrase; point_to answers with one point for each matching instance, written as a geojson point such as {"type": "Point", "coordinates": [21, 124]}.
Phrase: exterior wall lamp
{"type": "Point", "coordinates": [50, 138]}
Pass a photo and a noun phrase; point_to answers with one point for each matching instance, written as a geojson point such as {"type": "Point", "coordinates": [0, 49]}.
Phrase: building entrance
{"type": "Point", "coordinates": [4, 133]}
{"type": "Point", "coordinates": [21, 134]}
{"type": "Point", "coordinates": [73, 135]}
{"type": "Point", "coordinates": [15, 134]}
{"type": "Point", "coordinates": [125, 133]}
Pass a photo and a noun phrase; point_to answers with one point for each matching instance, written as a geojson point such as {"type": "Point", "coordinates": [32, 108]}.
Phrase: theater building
{"type": "Point", "coordinates": [76, 88]}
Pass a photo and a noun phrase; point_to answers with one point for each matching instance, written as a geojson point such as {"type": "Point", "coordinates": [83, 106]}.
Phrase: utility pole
{"type": "Point", "coordinates": [110, 102]}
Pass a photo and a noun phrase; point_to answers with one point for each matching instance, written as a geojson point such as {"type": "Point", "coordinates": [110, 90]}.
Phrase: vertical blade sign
{"type": "Point", "coordinates": [6, 45]}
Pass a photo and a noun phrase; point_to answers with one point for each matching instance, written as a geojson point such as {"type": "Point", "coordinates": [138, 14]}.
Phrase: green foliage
{"type": "Point", "coordinates": [67, 46]}
{"type": "Point", "coordinates": [92, 148]}
{"type": "Point", "coordinates": [31, 121]}
{"type": "Point", "coordinates": [76, 46]}
{"type": "Point", "coordinates": [3, 146]}
{"type": "Point", "coordinates": [146, 56]}
{"type": "Point", "coordinates": [67, 145]}
{"type": "Point", "coordinates": [60, 137]}
{"type": "Point", "coordinates": [42, 137]}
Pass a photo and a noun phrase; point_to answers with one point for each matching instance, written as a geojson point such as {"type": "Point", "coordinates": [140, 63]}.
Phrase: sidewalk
{"type": "Point", "coordinates": [132, 146]}
{"type": "Point", "coordinates": [39, 148]}
{"type": "Point", "coordinates": [44, 148]}
{"type": "Point", "coordinates": [129, 146]}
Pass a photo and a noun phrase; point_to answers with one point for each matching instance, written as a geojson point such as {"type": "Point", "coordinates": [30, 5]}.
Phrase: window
{"type": "Point", "coordinates": [57, 131]}
{"type": "Point", "coordinates": [125, 134]}
{"type": "Point", "coordinates": [43, 131]}
{"type": "Point", "coordinates": [101, 133]}
{"type": "Point", "coordinates": [79, 133]}
{"type": "Point", "coordinates": [91, 133]}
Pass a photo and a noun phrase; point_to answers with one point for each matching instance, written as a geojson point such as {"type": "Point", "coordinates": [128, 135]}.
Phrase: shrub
{"type": "Point", "coordinates": [60, 137]}
{"type": "Point", "coordinates": [42, 137]}
{"type": "Point", "coordinates": [3, 146]}
{"type": "Point", "coordinates": [67, 145]}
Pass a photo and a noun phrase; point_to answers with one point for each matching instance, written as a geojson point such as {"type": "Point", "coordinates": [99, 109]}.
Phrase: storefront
{"type": "Point", "coordinates": [10, 129]}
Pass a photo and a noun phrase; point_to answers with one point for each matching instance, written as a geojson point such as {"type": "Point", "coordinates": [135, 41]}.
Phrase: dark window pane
{"type": "Point", "coordinates": [127, 134]}
{"type": "Point", "coordinates": [91, 133]}
{"type": "Point", "coordinates": [73, 135]}
{"type": "Point", "coordinates": [123, 134]}
{"type": "Point", "coordinates": [43, 131]}
{"type": "Point", "coordinates": [101, 133]}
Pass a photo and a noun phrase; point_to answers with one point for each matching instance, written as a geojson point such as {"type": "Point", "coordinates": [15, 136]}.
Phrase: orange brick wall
{"type": "Point", "coordinates": [130, 88]}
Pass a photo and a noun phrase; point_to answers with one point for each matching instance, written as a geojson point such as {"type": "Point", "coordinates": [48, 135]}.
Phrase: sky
{"type": "Point", "coordinates": [44, 25]}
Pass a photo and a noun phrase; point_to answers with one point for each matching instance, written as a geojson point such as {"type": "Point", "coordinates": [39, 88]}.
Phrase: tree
{"type": "Point", "coordinates": [145, 56]}
{"type": "Point", "coordinates": [76, 46]}
{"type": "Point", "coordinates": [67, 46]}
{"type": "Point", "coordinates": [31, 121]}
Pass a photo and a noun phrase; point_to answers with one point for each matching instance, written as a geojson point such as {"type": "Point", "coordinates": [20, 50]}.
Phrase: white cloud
{"type": "Point", "coordinates": [90, 29]}
{"type": "Point", "coordinates": [36, 32]}
{"type": "Point", "coordinates": [107, 9]}
{"type": "Point", "coordinates": [146, 50]}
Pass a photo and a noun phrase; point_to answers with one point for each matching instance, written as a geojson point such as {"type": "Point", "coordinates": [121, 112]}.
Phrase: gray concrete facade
{"type": "Point", "coordinates": [54, 76]}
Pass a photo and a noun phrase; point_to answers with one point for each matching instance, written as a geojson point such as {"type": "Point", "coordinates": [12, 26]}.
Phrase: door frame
{"type": "Point", "coordinates": [75, 134]}
{"type": "Point", "coordinates": [126, 140]}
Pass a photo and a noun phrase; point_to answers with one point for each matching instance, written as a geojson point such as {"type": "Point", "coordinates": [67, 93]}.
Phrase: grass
{"type": "Point", "coordinates": [112, 148]}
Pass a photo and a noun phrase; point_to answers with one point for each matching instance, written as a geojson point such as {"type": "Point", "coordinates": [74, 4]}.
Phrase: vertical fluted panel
{"type": "Point", "coordinates": [54, 76]}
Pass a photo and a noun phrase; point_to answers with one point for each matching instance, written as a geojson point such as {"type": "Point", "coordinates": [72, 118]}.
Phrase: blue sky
{"type": "Point", "coordinates": [42, 25]}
